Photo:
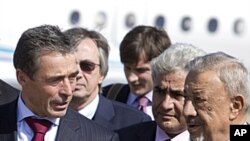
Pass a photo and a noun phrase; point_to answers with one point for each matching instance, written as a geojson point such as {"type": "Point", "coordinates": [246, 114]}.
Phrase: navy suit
{"type": "Point", "coordinates": [72, 127]}
{"type": "Point", "coordinates": [139, 132]}
{"type": "Point", "coordinates": [115, 115]}
{"type": "Point", "coordinates": [7, 93]}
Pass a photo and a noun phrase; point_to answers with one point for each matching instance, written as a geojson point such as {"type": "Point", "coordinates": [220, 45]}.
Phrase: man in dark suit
{"type": "Point", "coordinates": [92, 51]}
{"type": "Point", "coordinates": [137, 49]}
{"type": "Point", "coordinates": [46, 69]}
{"type": "Point", "coordinates": [168, 73]}
{"type": "Point", "coordinates": [7, 92]}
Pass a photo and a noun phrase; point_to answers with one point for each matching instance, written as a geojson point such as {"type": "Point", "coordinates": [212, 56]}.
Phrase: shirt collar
{"type": "Point", "coordinates": [23, 111]}
{"type": "Point", "coordinates": [132, 98]}
{"type": "Point", "coordinates": [90, 109]}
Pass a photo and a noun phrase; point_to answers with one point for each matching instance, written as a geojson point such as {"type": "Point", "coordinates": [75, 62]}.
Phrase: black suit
{"type": "Point", "coordinates": [115, 115]}
{"type": "Point", "coordinates": [72, 127]}
{"type": "Point", "coordinates": [7, 93]}
{"type": "Point", "coordinates": [139, 132]}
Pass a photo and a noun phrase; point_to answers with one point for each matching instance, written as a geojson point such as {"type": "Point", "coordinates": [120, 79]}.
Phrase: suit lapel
{"type": "Point", "coordinates": [68, 126]}
{"type": "Point", "coordinates": [104, 113]}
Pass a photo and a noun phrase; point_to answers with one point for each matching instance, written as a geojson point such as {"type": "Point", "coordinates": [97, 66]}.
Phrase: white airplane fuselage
{"type": "Point", "coordinates": [211, 24]}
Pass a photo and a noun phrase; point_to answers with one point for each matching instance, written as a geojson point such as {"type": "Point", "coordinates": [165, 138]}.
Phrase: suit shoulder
{"type": "Point", "coordinates": [89, 127]}
{"type": "Point", "coordinates": [146, 131]}
{"type": "Point", "coordinates": [138, 126]}
{"type": "Point", "coordinates": [129, 110]}
{"type": "Point", "coordinates": [6, 86]}
{"type": "Point", "coordinates": [7, 93]}
{"type": "Point", "coordinates": [116, 87]}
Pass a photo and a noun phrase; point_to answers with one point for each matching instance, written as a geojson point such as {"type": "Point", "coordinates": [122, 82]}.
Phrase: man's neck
{"type": "Point", "coordinates": [78, 103]}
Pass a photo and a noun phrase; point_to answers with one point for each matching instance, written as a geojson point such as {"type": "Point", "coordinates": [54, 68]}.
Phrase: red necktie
{"type": "Point", "coordinates": [39, 127]}
{"type": "Point", "coordinates": [142, 103]}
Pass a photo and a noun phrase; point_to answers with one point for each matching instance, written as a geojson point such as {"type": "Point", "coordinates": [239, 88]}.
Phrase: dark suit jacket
{"type": "Point", "coordinates": [72, 127]}
{"type": "Point", "coordinates": [7, 93]}
{"type": "Point", "coordinates": [139, 132]}
{"type": "Point", "coordinates": [121, 96]}
{"type": "Point", "coordinates": [115, 115]}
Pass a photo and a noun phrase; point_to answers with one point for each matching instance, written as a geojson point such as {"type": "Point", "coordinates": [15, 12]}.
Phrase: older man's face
{"type": "Point", "coordinates": [207, 106]}
{"type": "Point", "coordinates": [168, 101]}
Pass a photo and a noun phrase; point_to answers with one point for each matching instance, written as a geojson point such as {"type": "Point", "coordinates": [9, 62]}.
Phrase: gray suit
{"type": "Point", "coordinates": [73, 126]}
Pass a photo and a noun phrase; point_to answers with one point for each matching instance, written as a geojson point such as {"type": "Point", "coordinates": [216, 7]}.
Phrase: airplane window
{"type": "Point", "coordinates": [186, 24]}
{"type": "Point", "coordinates": [74, 17]}
{"type": "Point", "coordinates": [239, 26]}
{"type": "Point", "coordinates": [212, 25]}
{"type": "Point", "coordinates": [130, 20]}
{"type": "Point", "coordinates": [101, 20]}
{"type": "Point", "coordinates": [160, 21]}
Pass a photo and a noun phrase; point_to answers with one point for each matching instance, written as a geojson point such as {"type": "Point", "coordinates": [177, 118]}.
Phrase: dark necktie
{"type": "Point", "coordinates": [142, 103]}
{"type": "Point", "coordinates": [39, 127]}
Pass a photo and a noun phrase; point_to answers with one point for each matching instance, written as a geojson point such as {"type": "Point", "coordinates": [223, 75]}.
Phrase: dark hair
{"type": "Point", "coordinates": [38, 41]}
{"type": "Point", "coordinates": [143, 41]}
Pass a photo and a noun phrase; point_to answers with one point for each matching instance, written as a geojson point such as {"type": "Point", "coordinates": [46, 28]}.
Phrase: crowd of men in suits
{"type": "Point", "coordinates": [174, 91]}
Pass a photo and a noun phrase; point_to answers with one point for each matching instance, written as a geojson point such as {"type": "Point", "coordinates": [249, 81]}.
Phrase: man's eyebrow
{"type": "Point", "coordinates": [158, 88]}
{"type": "Point", "coordinates": [73, 74]}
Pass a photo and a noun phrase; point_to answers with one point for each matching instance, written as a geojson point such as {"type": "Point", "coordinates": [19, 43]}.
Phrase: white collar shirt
{"type": "Point", "coordinates": [90, 109]}
{"type": "Point", "coordinates": [24, 132]}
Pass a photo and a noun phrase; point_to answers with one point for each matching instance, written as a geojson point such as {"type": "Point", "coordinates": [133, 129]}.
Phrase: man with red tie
{"type": "Point", "coordinates": [46, 69]}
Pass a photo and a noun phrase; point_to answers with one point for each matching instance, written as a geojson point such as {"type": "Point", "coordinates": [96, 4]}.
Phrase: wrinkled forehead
{"type": "Point", "coordinates": [203, 81]}
{"type": "Point", "coordinates": [170, 80]}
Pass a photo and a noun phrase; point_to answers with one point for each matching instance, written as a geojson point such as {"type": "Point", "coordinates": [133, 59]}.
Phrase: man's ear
{"type": "Point", "coordinates": [101, 79]}
{"type": "Point", "coordinates": [236, 106]}
{"type": "Point", "coordinates": [21, 77]}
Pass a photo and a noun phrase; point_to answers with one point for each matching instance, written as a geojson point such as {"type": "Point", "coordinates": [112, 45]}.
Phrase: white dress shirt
{"type": "Point", "coordinates": [24, 132]}
{"type": "Point", "coordinates": [90, 109]}
{"type": "Point", "coordinates": [132, 100]}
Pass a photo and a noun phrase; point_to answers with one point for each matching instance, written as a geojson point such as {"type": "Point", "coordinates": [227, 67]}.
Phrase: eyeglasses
{"type": "Point", "coordinates": [87, 66]}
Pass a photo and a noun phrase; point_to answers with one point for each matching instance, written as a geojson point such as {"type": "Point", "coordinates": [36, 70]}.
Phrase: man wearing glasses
{"type": "Point", "coordinates": [92, 51]}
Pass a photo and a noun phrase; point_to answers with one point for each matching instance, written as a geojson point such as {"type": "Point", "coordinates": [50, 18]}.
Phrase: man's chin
{"type": "Point", "coordinates": [58, 114]}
